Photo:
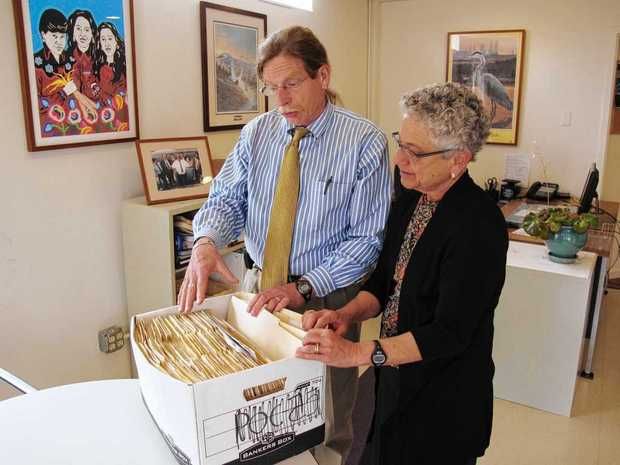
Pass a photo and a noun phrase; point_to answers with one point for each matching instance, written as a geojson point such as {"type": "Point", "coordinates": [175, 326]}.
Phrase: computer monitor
{"type": "Point", "coordinates": [589, 190]}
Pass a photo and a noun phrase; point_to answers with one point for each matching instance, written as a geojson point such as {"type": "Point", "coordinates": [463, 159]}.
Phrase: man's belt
{"type": "Point", "coordinates": [249, 264]}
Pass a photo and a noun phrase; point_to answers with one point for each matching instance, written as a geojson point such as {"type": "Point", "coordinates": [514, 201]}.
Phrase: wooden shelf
{"type": "Point", "coordinates": [615, 121]}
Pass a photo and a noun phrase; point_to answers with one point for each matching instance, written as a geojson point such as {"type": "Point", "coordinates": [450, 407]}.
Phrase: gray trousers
{"type": "Point", "coordinates": [341, 385]}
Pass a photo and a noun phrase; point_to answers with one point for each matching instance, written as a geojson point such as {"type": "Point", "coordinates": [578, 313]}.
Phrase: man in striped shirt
{"type": "Point", "coordinates": [344, 196]}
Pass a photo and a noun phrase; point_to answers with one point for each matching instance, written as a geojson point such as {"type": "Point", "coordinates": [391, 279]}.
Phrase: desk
{"type": "Point", "coordinates": [598, 243]}
{"type": "Point", "coordinates": [96, 423]}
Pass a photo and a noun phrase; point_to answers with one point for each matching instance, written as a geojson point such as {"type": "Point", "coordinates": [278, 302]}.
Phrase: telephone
{"type": "Point", "coordinates": [542, 191]}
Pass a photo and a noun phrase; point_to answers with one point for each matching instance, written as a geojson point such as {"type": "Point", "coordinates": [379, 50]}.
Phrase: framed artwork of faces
{"type": "Point", "coordinates": [77, 71]}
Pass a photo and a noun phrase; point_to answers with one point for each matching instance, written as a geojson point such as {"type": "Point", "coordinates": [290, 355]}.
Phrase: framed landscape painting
{"type": "Point", "coordinates": [175, 169]}
{"type": "Point", "coordinates": [77, 71]}
{"type": "Point", "coordinates": [230, 87]}
{"type": "Point", "coordinates": [491, 63]}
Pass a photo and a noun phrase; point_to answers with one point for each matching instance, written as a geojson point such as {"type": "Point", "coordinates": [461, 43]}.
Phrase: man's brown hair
{"type": "Point", "coordinates": [298, 42]}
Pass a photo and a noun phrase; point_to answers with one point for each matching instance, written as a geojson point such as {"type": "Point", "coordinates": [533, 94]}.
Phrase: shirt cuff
{"type": "Point", "coordinates": [211, 234]}
{"type": "Point", "coordinates": [321, 281]}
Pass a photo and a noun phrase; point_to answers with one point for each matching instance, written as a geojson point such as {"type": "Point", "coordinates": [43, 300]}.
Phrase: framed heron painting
{"type": "Point", "coordinates": [77, 72]}
{"type": "Point", "coordinates": [230, 87]}
{"type": "Point", "coordinates": [491, 63]}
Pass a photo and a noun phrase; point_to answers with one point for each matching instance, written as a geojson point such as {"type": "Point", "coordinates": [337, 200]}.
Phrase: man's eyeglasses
{"type": "Point", "coordinates": [412, 154]}
{"type": "Point", "coordinates": [291, 85]}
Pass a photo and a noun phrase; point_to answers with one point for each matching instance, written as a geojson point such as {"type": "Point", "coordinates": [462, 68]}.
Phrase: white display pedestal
{"type": "Point", "coordinates": [540, 324]}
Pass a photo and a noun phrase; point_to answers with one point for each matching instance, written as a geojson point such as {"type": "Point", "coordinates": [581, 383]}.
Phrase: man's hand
{"type": "Point", "coordinates": [326, 346]}
{"type": "Point", "coordinates": [205, 260]}
{"type": "Point", "coordinates": [276, 298]}
{"type": "Point", "coordinates": [331, 319]}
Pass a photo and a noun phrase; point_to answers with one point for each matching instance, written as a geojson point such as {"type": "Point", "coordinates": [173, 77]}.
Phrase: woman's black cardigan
{"type": "Point", "coordinates": [448, 297]}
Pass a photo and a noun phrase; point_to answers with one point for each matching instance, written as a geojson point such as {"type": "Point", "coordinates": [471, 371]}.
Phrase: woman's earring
{"type": "Point", "coordinates": [452, 175]}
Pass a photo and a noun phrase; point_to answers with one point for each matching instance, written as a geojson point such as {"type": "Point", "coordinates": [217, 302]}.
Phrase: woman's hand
{"type": "Point", "coordinates": [326, 346]}
{"type": "Point", "coordinates": [330, 319]}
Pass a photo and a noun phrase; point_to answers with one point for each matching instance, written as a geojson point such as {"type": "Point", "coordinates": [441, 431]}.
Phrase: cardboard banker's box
{"type": "Point", "coordinates": [221, 420]}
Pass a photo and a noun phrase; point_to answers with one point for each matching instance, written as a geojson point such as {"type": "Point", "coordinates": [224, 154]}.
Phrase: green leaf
{"type": "Point", "coordinates": [580, 226]}
{"type": "Point", "coordinates": [554, 227]}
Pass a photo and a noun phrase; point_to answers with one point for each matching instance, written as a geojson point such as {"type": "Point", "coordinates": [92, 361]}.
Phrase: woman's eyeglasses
{"type": "Point", "coordinates": [413, 154]}
{"type": "Point", "coordinates": [290, 86]}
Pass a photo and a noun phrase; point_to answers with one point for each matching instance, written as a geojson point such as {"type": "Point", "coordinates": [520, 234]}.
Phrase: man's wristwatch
{"type": "Point", "coordinates": [378, 356]}
{"type": "Point", "coordinates": [304, 288]}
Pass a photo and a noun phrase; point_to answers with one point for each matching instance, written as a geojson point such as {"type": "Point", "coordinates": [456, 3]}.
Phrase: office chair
{"type": "Point", "coordinates": [15, 382]}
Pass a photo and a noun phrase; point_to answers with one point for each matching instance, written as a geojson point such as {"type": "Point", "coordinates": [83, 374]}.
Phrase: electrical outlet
{"type": "Point", "coordinates": [111, 339]}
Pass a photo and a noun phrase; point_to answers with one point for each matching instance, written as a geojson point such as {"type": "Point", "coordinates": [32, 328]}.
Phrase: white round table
{"type": "Point", "coordinates": [95, 423]}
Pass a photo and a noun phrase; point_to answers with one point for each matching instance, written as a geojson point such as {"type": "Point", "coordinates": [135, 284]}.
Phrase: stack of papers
{"type": "Point", "coordinates": [196, 346]}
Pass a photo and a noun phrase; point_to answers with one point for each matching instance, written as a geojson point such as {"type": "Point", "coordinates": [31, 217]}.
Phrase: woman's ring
{"type": "Point", "coordinates": [316, 348]}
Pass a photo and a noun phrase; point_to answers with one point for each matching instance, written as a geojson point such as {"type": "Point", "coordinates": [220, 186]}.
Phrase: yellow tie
{"type": "Point", "coordinates": [282, 218]}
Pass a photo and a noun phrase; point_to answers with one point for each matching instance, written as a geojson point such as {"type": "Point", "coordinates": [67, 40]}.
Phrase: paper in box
{"type": "Point", "coordinates": [218, 421]}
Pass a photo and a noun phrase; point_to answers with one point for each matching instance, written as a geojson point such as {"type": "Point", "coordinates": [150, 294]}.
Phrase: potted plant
{"type": "Point", "coordinates": [564, 232]}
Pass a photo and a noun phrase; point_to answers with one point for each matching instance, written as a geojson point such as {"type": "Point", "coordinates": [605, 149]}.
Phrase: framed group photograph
{"type": "Point", "coordinates": [175, 169]}
{"type": "Point", "coordinates": [77, 71]}
{"type": "Point", "coordinates": [491, 63]}
{"type": "Point", "coordinates": [230, 87]}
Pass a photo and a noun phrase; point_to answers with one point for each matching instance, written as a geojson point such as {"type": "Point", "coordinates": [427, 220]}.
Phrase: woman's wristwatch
{"type": "Point", "coordinates": [378, 357]}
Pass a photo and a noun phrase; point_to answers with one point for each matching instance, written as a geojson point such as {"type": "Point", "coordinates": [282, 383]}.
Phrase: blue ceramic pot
{"type": "Point", "coordinates": [564, 245]}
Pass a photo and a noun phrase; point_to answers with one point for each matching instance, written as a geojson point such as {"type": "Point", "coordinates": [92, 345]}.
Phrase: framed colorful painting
{"type": "Point", "coordinates": [491, 63]}
{"type": "Point", "coordinates": [175, 169]}
{"type": "Point", "coordinates": [230, 39]}
{"type": "Point", "coordinates": [77, 71]}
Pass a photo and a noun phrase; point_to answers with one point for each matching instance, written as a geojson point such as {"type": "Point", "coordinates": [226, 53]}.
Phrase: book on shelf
{"type": "Point", "coordinates": [183, 229]}
{"type": "Point", "coordinates": [183, 241]}
{"type": "Point", "coordinates": [183, 224]}
{"type": "Point", "coordinates": [184, 253]}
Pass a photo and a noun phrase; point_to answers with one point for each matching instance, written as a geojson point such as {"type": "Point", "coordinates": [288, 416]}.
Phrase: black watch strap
{"type": "Point", "coordinates": [378, 357]}
{"type": "Point", "coordinates": [304, 288]}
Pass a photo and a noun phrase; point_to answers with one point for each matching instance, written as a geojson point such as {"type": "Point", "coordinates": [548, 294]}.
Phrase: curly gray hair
{"type": "Point", "coordinates": [453, 114]}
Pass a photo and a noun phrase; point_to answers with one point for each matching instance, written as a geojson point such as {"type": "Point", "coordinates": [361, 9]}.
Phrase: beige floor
{"type": "Point", "coordinates": [526, 436]}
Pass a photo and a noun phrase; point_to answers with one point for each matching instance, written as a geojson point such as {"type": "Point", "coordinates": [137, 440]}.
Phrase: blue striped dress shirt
{"type": "Point", "coordinates": [344, 196]}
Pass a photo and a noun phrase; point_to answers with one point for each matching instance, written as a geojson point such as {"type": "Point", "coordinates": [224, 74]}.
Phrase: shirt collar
{"type": "Point", "coordinates": [319, 125]}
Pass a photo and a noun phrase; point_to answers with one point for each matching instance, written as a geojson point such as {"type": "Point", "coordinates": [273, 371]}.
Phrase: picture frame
{"type": "Point", "coordinates": [175, 169]}
{"type": "Point", "coordinates": [77, 72]}
{"type": "Point", "coordinates": [230, 86]}
{"type": "Point", "coordinates": [491, 63]}
{"type": "Point", "coordinates": [617, 87]}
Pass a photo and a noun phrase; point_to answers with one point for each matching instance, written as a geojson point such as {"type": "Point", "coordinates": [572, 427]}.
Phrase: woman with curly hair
{"type": "Point", "coordinates": [436, 285]}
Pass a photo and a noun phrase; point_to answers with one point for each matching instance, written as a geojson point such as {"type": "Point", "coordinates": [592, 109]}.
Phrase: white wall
{"type": "Point", "coordinates": [61, 269]}
{"type": "Point", "coordinates": [612, 169]}
{"type": "Point", "coordinates": [612, 161]}
{"type": "Point", "coordinates": [570, 50]}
